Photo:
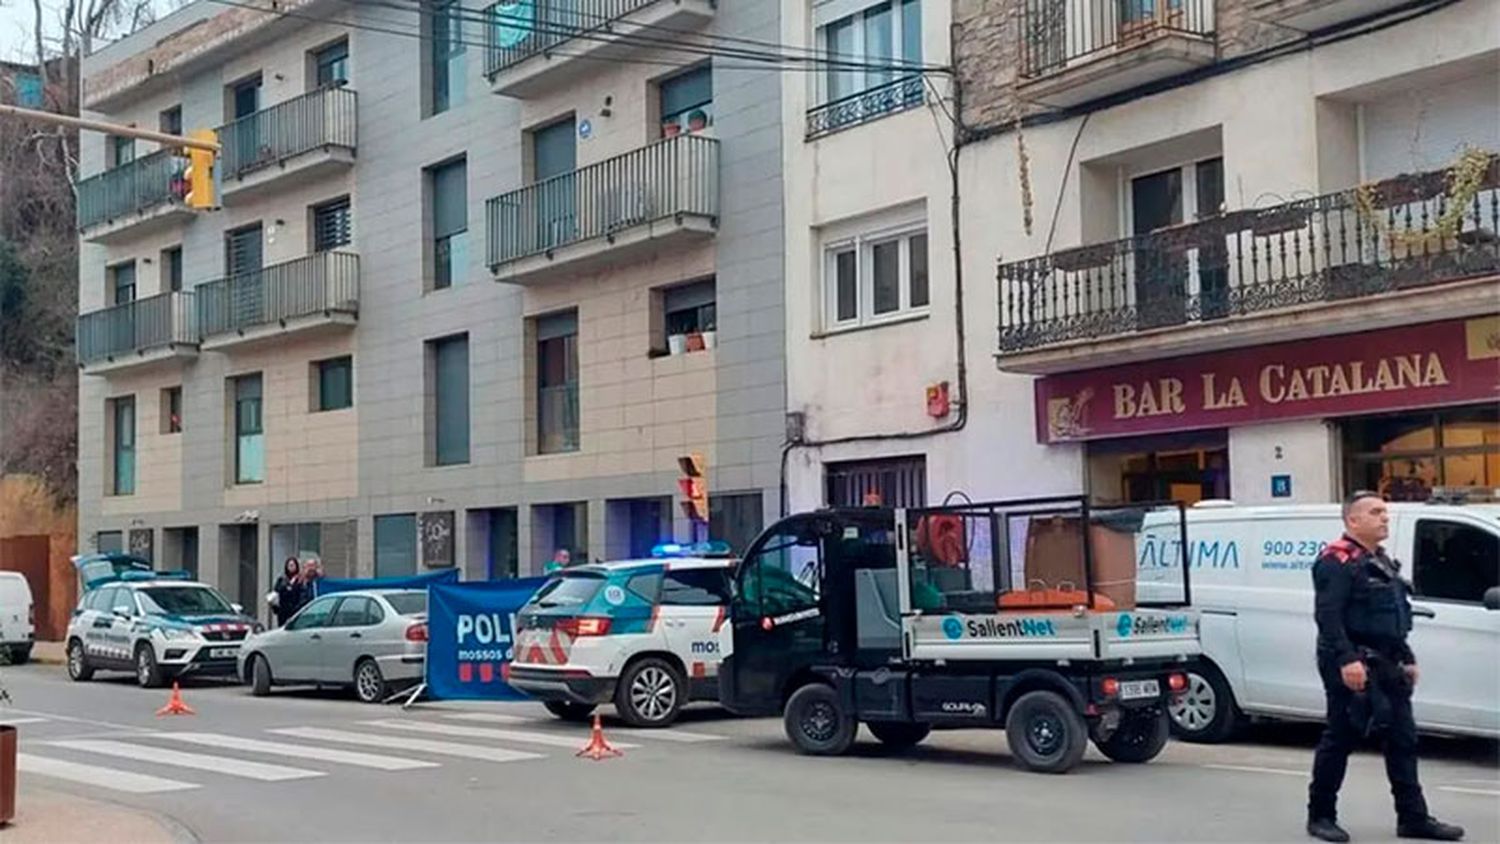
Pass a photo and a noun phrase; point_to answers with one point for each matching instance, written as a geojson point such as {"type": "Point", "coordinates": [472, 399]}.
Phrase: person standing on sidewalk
{"type": "Point", "coordinates": [1363, 612]}
{"type": "Point", "coordinates": [561, 559]}
{"type": "Point", "coordinates": [288, 591]}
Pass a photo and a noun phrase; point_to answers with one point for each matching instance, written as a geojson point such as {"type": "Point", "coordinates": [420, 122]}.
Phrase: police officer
{"type": "Point", "coordinates": [1363, 614]}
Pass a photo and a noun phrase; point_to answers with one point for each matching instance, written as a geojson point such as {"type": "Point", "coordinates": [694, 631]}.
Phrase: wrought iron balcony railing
{"type": "Point", "coordinates": [1055, 34]}
{"type": "Point", "coordinates": [151, 180]}
{"type": "Point", "coordinates": [327, 117]}
{"type": "Point", "coordinates": [517, 31]}
{"type": "Point", "coordinates": [327, 282]}
{"type": "Point", "coordinates": [867, 105]}
{"type": "Point", "coordinates": [1403, 233]}
{"type": "Point", "coordinates": [137, 326]}
{"type": "Point", "coordinates": [676, 176]}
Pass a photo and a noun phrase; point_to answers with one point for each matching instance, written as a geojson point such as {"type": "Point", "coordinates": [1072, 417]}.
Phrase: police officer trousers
{"type": "Point", "coordinates": [1341, 736]}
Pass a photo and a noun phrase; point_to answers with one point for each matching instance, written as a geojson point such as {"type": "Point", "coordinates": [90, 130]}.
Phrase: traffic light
{"type": "Point", "coordinates": [694, 486]}
{"type": "Point", "coordinates": [199, 175]}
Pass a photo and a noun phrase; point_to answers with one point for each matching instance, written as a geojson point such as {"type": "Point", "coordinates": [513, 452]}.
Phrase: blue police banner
{"type": "Point", "coordinates": [470, 629]}
{"type": "Point", "coordinates": [330, 585]}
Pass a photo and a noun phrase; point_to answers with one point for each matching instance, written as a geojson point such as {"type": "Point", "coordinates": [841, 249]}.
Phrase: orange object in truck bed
{"type": "Point", "coordinates": [1055, 599]}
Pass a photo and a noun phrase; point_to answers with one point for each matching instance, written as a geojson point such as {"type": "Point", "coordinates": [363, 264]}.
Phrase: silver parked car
{"type": "Point", "coordinates": [374, 640]}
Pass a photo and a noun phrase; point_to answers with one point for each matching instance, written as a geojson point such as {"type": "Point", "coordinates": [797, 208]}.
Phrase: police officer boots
{"type": "Point", "coordinates": [1430, 829]}
{"type": "Point", "coordinates": [1325, 829]}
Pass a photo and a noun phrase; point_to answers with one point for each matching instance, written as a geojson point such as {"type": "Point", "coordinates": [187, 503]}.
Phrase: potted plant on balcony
{"type": "Point", "coordinates": [695, 341]}
{"type": "Point", "coordinates": [676, 344]}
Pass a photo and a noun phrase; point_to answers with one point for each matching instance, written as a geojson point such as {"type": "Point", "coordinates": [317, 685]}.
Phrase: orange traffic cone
{"type": "Point", "coordinates": [175, 706]}
{"type": "Point", "coordinates": [598, 748]}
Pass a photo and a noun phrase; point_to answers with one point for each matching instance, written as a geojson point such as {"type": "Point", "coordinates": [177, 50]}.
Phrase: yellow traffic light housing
{"type": "Point", "coordinates": [199, 175]}
{"type": "Point", "coordinates": [694, 487]}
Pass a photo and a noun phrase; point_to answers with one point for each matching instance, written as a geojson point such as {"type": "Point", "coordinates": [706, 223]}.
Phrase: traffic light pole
{"type": "Point", "coordinates": [110, 128]}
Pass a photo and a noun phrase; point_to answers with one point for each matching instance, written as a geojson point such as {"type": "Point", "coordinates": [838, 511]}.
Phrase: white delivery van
{"type": "Point", "coordinates": [17, 617]}
{"type": "Point", "coordinates": [1251, 580]}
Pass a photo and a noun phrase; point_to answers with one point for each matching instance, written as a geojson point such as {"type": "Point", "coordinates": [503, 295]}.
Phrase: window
{"type": "Point", "coordinates": [689, 309]}
{"type": "Point", "coordinates": [332, 225]}
{"type": "Point", "coordinates": [171, 269]}
{"type": "Point", "coordinates": [736, 519]}
{"type": "Point", "coordinates": [122, 283]}
{"type": "Point", "coordinates": [891, 482]}
{"type": "Point", "coordinates": [645, 586]}
{"type": "Point", "coordinates": [353, 612]}
{"type": "Point", "coordinates": [100, 600]}
{"type": "Point", "coordinates": [450, 223]}
{"type": "Point", "coordinates": [446, 59]}
{"type": "Point", "coordinates": [122, 421]}
{"type": "Point", "coordinates": [243, 250]}
{"type": "Point", "coordinates": [249, 434]}
{"type": "Point", "coordinates": [109, 541]}
{"type": "Point", "coordinates": [882, 34]}
{"type": "Point", "coordinates": [695, 587]}
{"type": "Point", "coordinates": [335, 383]}
{"type": "Point", "coordinates": [1406, 456]}
{"type": "Point", "coordinates": [121, 151]}
{"type": "Point", "coordinates": [1455, 561]}
{"type": "Point", "coordinates": [315, 614]}
{"type": "Point", "coordinates": [395, 545]}
{"type": "Point", "coordinates": [450, 400]}
{"type": "Point", "coordinates": [170, 120]}
{"type": "Point", "coordinates": [687, 102]}
{"type": "Point", "coordinates": [331, 65]}
{"type": "Point", "coordinates": [171, 410]}
{"type": "Point", "coordinates": [124, 602]}
{"type": "Point", "coordinates": [783, 576]}
{"type": "Point", "coordinates": [876, 277]}
{"type": "Point", "coordinates": [557, 383]}
{"type": "Point", "coordinates": [28, 90]}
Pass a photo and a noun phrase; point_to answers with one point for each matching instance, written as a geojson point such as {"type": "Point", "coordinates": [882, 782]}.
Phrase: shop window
{"type": "Point", "coordinates": [1186, 468]}
{"type": "Point", "coordinates": [1406, 456]}
{"type": "Point", "coordinates": [1455, 561]}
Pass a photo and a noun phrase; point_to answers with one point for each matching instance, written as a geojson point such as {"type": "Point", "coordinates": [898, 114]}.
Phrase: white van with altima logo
{"type": "Point", "coordinates": [1252, 583]}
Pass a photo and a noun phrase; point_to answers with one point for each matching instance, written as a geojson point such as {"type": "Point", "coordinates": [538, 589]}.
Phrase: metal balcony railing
{"type": "Point", "coordinates": [1055, 34]}
{"type": "Point", "coordinates": [674, 177]}
{"type": "Point", "coordinates": [865, 106]}
{"type": "Point", "coordinates": [515, 31]}
{"type": "Point", "coordinates": [138, 326]}
{"type": "Point", "coordinates": [1400, 234]}
{"type": "Point", "coordinates": [557, 419]}
{"type": "Point", "coordinates": [151, 180]}
{"type": "Point", "coordinates": [327, 282]}
{"type": "Point", "coordinates": [327, 117]}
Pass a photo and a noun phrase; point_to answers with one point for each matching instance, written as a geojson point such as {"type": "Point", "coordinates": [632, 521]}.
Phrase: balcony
{"type": "Point", "coordinates": [135, 198]}
{"type": "Point", "coordinates": [1400, 251]}
{"type": "Point", "coordinates": [872, 104]}
{"type": "Point", "coordinates": [300, 139]}
{"type": "Point", "coordinates": [307, 296]}
{"type": "Point", "coordinates": [660, 195]}
{"type": "Point", "coordinates": [1313, 15]}
{"type": "Point", "coordinates": [144, 332]}
{"type": "Point", "coordinates": [532, 47]}
{"type": "Point", "coordinates": [1084, 50]}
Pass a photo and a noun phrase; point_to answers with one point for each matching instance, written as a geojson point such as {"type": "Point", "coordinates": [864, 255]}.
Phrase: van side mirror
{"type": "Point", "coordinates": [239, 608]}
{"type": "Point", "coordinates": [1492, 598]}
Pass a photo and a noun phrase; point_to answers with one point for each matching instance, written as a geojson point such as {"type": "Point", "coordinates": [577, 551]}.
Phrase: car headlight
{"type": "Point", "coordinates": [172, 634]}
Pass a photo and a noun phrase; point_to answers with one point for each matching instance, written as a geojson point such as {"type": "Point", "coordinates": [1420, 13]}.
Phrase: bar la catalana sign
{"type": "Point", "coordinates": [1391, 369]}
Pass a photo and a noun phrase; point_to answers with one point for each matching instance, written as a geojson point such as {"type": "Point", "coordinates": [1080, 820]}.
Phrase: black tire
{"type": "Point", "coordinates": [1139, 737]}
{"type": "Point", "coordinates": [898, 735]}
{"type": "Point", "coordinates": [20, 654]}
{"type": "Point", "coordinates": [369, 683]}
{"type": "Point", "coordinates": [650, 693]}
{"type": "Point", "coordinates": [260, 676]}
{"type": "Point", "coordinates": [79, 670]}
{"type": "Point", "coordinates": [817, 724]}
{"type": "Point", "coordinates": [1046, 734]}
{"type": "Point", "coordinates": [577, 712]}
{"type": "Point", "coordinates": [147, 673]}
{"type": "Point", "coordinates": [1207, 712]}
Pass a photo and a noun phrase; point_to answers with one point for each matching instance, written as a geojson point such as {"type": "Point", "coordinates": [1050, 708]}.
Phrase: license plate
{"type": "Point", "coordinates": [1136, 689]}
{"type": "Point", "coordinates": [231, 653]}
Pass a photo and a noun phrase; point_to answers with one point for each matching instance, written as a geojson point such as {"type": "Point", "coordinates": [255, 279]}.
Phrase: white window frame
{"type": "Point", "coordinates": [863, 245]}
{"type": "Point", "coordinates": [832, 12]}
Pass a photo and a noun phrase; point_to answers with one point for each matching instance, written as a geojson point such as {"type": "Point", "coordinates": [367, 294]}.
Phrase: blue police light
{"type": "Point", "coordinates": [667, 549]}
{"type": "Point", "coordinates": [711, 548]}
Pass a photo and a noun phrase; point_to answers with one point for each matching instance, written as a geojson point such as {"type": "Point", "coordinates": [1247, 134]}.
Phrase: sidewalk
{"type": "Point", "coordinates": [44, 816]}
{"type": "Point", "coordinates": [49, 653]}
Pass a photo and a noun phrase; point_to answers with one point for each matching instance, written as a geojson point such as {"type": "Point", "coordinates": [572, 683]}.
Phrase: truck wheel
{"type": "Point", "coordinates": [650, 693]}
{"type": "Point", "coordinates": [1206, 712]}
{"type": "Point", "coordinates": [1139, 738]}
{"type": "Point", "coordinates": [898, 735]}
{"type": "Point", "coordinates": [147, 672]}
{"type": "Point", "coordinates": [1045, 734]}
{"type": "Point", "coordinates": [817, 724]}
{"type": "Point", "coordinates": [569, 711]}
{"type": "Point", "coordinates": [79, 669]}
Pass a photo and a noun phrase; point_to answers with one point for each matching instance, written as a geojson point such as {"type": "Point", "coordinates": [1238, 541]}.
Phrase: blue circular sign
{"type": "Point", "coordinates": [953, 628]}
{"type": "Point", "coordinates": [585, 129]}
{"type": "Point", "coordinates": [1123, 626]}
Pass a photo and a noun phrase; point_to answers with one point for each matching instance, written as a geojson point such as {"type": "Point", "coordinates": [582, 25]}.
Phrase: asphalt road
{"type": "Point", "coordinates": [317, 766]}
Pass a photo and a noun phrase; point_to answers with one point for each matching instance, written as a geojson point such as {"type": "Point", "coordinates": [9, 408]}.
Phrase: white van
{"type": "Point", "coordinates": [1251, 580]}
{"type": "Point", "coordinates": [17, 616]}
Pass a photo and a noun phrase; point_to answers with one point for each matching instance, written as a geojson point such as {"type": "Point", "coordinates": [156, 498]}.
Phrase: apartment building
{"type": "Point", "coordinates": [1208, 249]}
{"type": "Point", "coordinates": [477, 278]}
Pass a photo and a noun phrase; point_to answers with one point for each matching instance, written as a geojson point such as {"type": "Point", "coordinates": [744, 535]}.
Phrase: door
{"type": "Point", "coordinates": [504, 548]}
{"type": "Point", "coordinates": [1160, 267]}
{"type": "Point", "coordinates": [190, 552]}
{"type": "Point", "coordinates": [350, 635]}
{"type": "Point", "coordinates": [296, 654]}
{"type": "Point", "coordinates": [555, 162]}
{"type": "Point", "coordinates": [694, 603]}
{"type": "Point", "coordinates": [248, 146]}
{"type": "Point", "coordinates": [248, 585]}
{"type": "Point", "coordinates": [243, 256]}
{"type": "Point", "coordinates": [122, 616]}
{"type": "Point", "coordinates": [1453, 562]}
{"type": "Point", "coordinates": [98, 620]}
{"type": "Point", "coordinates": [776, 615]}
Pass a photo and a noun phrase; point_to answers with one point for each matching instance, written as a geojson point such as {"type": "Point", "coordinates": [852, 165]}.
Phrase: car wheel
{"type": "Point", "coordinates": [369, 683]}
{"type": "Point", "coordinates": [79, 670]}
{"type": "Point", "coordinates": [569, 711]}
{"type": "Point", "coordinates": [147, 672]}
{"type": "Point", "coordinates": [1139, 738]}
{"type": "Point", "coordinates": [650, 693]}
{"type": "Point", "coordinates": [1045, 733]}
{"type": "Point", "coordinates": [260, 676]}
{"type": "Point", "coordinates": [898, 735]}
{"type": "Point", "coordinates": [20, 655]}
{"type": "Point", "coordinates": [816, 723]}
{"type": "Point", "coordinates": [1206, 711]}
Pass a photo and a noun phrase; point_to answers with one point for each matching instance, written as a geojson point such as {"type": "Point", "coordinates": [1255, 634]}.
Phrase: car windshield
{"type": "Point", "coordinates": [408, 603]}
{"type": "Point", "coordinates": [183, 600]}
{"type": "Point", "coordinates": [570, 590]}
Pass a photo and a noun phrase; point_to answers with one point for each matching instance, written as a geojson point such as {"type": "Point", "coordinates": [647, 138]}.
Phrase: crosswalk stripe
{"type": "Point", "coordinates": [672, 734]}
{"type": "Point", "coordinates": [216, 764]}
{"type": "Point", "coordinates": [524, 736]}
{"type": "Point", "coordinates": [17, 721]}
{"type": "Point", "coordinates": [111, 778]}
{"type": "Point", "coordinates": [468, 751]}
{"type": "Point", "coordinates": [301, 751]}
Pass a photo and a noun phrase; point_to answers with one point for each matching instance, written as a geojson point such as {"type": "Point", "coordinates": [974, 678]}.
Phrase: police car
{"type": "Point", "coordinates": [159, 625]}
{"type": "Point", "coordinates": [648, 635]}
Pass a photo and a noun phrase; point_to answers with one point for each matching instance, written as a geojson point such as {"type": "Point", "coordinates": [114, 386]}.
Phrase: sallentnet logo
{"type": "Point", "coordinates": [994, 628]}
{"type": "Point", "coordinates": [1150, 625]}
